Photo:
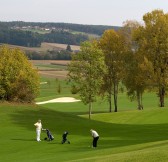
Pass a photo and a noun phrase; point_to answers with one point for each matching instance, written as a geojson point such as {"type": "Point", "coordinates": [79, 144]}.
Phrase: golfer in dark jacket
{"type": "Point", "coordinates": [95, 136]}
{"type": "Point", "coordinates": [64, 138]}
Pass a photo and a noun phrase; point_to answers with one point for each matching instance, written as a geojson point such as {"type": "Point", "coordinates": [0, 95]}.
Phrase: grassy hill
{"type": "Point", "coordinates": [127, 136]}
{"type": "Point", "coordinates": [32, 34]}
{"type": "Point", "coordinates": [132, 136]}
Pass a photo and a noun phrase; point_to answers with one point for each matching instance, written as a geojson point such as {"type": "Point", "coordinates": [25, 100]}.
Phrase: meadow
{"type": "Point", "coordinates": [51, 68]}
{"type": "Point", "coordinates": [45, 47]}
{"type": "Point", "coordinates": [129, 135]}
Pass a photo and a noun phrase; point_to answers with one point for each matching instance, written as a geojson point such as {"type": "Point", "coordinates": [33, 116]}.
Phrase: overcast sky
{"type": "Point", "coordinates": [93, 12]}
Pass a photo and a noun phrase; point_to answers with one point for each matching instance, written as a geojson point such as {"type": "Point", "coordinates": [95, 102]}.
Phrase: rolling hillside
{"type": "Point", "coordinates": [133, 136]}
{"type": "Point", "coordinates": [31, 34]}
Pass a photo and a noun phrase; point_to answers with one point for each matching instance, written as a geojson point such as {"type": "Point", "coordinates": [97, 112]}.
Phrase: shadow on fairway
{"type": "Point", "coordinates": [111, 135]}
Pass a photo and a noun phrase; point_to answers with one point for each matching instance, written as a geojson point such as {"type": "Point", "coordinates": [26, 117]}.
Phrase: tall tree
{"type": "Point", "coordinates": [85, 71]}
{"type": "Point", "coordinates": [152, 40]}
{"type": "Point", "coordinates": [114, 47]}
{"type": "Point", "coordinates": [137, 76]}
{"type": "Point", "coordinates": [136, 66]}
{"type": "Point", "coordinates": [18, 80]}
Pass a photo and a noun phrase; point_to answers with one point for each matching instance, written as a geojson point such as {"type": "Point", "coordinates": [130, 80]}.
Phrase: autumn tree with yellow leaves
{"type": "Point", "coordinates": [19, 81]}
{"type": "Point", "coordinates": [152, 41]}
{"type": "Point", "coordinates": [114, 48]}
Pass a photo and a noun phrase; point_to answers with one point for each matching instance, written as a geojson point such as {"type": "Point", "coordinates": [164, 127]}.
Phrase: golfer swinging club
{"type": "Point", "coordinates": [95, 136]}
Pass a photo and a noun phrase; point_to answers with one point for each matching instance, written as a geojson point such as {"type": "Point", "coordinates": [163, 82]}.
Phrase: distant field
{"type": "Point", "coordinates": [51, 68]}
{"type": "Point", "coordinates": [62, 46]}
{"type": "Point", "coordinates": [91, 36]}
{"type": "Point", "coordinates": [47, 62]}
{"type": "Point", "coordinates": [46, 46]}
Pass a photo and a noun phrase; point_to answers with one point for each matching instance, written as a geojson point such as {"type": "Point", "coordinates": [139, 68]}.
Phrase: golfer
{"type": "Point", "coordinates": [38, 126]}
{"type": "Point", "coordinates": [64, 138]}
{"type": "Point", "coordinates": [95, 136]}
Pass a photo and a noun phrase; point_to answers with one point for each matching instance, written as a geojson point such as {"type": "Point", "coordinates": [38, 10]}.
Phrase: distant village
{"type": "Point", "coordinates": [45, 29]}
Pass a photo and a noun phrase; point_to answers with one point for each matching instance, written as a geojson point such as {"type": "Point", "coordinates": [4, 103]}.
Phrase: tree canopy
{"type": "Point", "coordinates": [85, 72]}
{"type": "Point", "coordinates": [114, 48]}
{"type": "Point", "coordinates": [18, 80]}
{"type": "Point", "coordinates": [152, 41]}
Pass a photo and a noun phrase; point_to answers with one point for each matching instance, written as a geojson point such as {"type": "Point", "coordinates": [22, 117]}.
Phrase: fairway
{"type": "Point", "coordinates": [129, 135]}
{"type": "Point", "coordinates": [125, 136]}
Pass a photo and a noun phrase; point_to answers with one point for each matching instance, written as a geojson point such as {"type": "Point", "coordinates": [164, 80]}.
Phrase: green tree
{"type": "Point", "coordinates": [152, 40]}
{"type": "Point", "coordinates": [114, 48]}
{"type": "Point", "coordinates": [85, 71]}
{"type": "Point", "coordinates": [18, 80]}
{"type": "Point", "coordinates": [69, 48]}
{"type": "Point", "coordinates": [135, 76]}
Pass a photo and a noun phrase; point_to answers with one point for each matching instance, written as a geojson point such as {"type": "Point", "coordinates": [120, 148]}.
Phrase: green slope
{"type": "Point", "coordinates": [128, 136]}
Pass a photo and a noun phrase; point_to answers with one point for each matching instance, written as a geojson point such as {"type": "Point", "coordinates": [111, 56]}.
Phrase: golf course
{"type": "Point", "coordinates": [130, 135]}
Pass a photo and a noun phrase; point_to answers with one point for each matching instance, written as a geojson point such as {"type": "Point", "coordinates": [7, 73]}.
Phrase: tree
{"type": "Point", "coordinates": [69, 48]}
{"type": "Point", "coordinates": [136, 66]}
{"type": "Point", "coordinates": [85, 71]}
{"type": "Point", "coordinates": [127, 31]}
{"type": "Point", "coordinates": [113, 45]}
{"type": "Point", "coordinates": [138, 71]}
{"type": "Point", "coordinates": [18, 80]}
{"type": "Point", "coordinates": [152, 40]}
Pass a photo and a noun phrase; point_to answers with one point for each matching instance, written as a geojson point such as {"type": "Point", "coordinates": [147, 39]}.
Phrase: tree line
{"type": "Point", "coordinates": [49, 55]}
{"type": "Point", "coordinates": [13, 33]}
{"type": "Point", "coordinates": [92, 29]}
{"type": "Point", "coordinates": [136, 56]}
{"type": "Point", "coordinates": [31, 39]}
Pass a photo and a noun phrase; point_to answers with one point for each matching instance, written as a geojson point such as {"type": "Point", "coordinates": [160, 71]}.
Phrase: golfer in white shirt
{"type": "Point", "coordinates": [95, 136]}
{"type": "Point", "coordinates": [38, 126]}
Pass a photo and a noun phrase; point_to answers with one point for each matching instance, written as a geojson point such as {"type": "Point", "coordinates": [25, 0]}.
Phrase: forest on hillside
{"type": "Point", "coordinates": [32, 34]}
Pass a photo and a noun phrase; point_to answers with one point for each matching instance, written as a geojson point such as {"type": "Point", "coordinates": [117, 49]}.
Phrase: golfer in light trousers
{"type": "Point", "coordinates": [38, 126]}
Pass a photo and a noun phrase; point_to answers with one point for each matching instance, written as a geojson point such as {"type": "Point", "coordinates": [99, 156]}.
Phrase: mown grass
{"type": "Point", "coordinates": [124, 136]}
{"type": "Point", "coordinates": [129, 135]}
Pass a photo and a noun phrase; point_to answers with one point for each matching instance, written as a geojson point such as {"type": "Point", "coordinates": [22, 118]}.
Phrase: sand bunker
{"type": "Point", "coordinates": [62, 99]}
{"type": "Point", "coordinates": [43, 83]}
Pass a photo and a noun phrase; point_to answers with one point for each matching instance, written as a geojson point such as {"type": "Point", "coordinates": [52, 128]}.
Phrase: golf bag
{"type": "Point", "coordinates": [49, 135]}
{"type": "Point", "coordinates": [64, 138]}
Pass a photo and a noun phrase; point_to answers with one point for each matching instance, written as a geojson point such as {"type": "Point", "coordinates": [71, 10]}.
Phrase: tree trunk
{"type": "Point", "coordinates": [161, 96]}
{"type": "Point", "coordinates": [90, 109]}
{"type": "Point", "coordinates": [115, 97]}
{"type": "Point", "coordinates": [139, 100]}
{"type": "Point", "coordinates": [110, 102]}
